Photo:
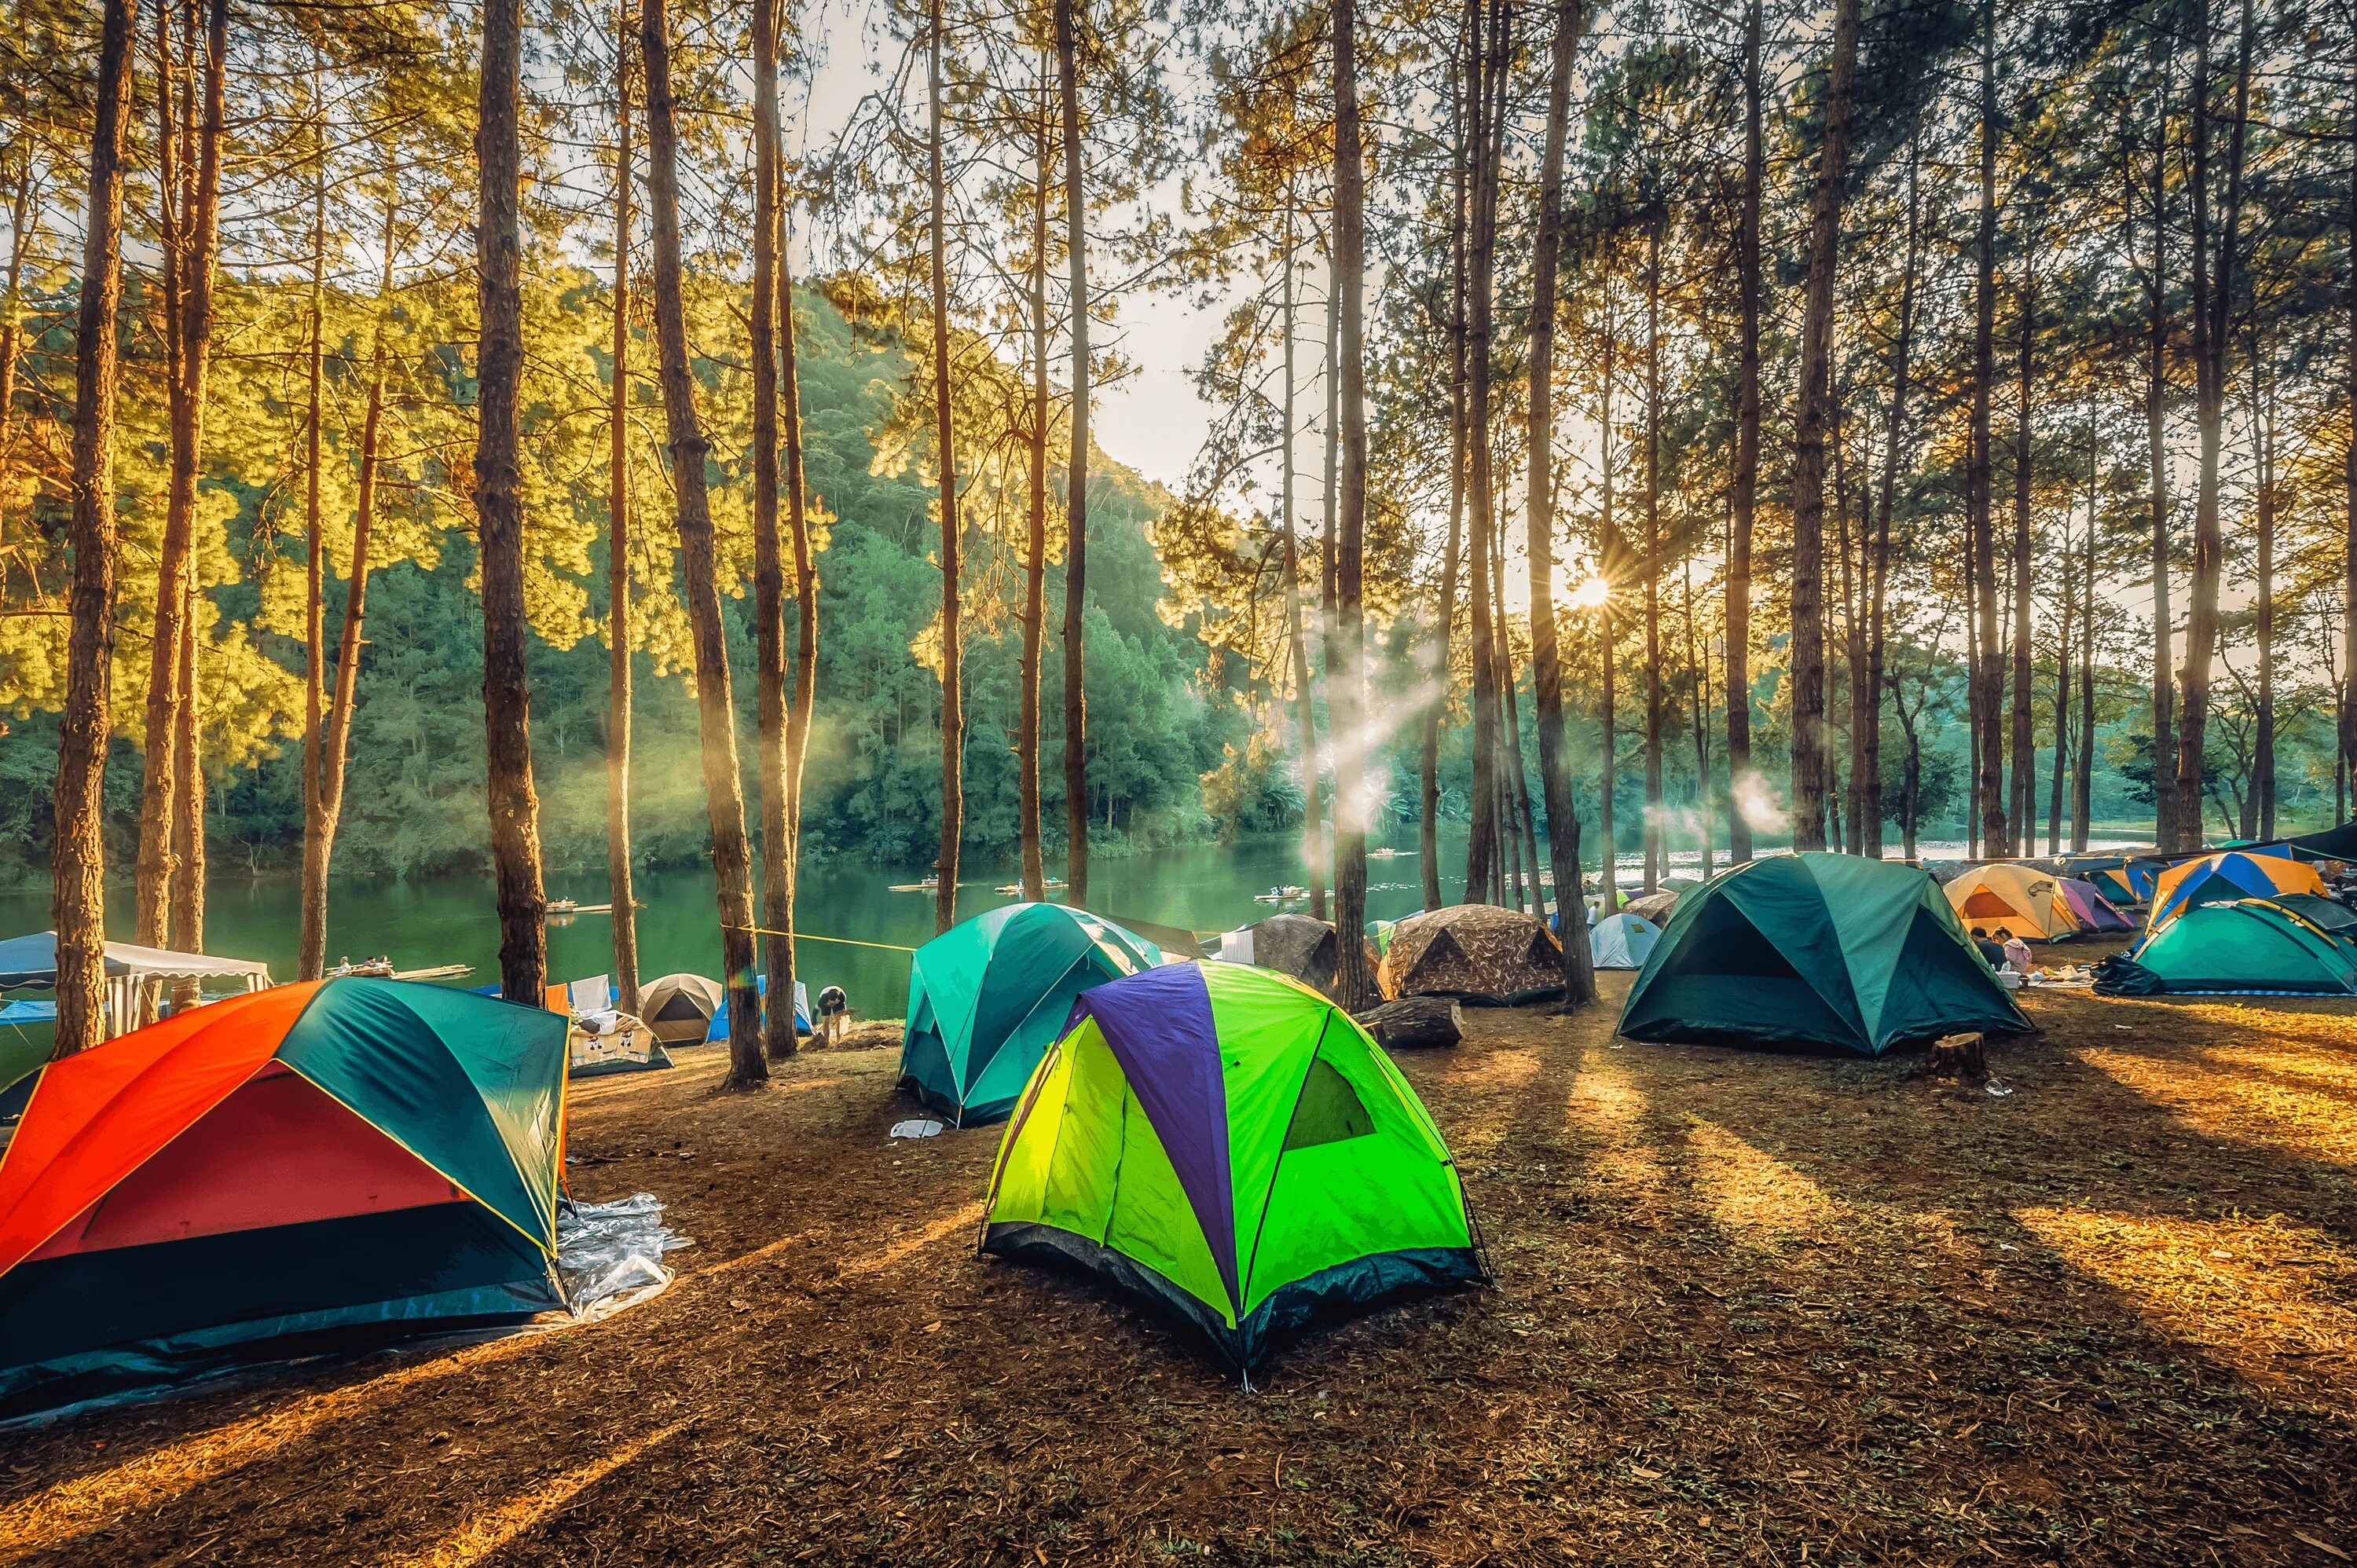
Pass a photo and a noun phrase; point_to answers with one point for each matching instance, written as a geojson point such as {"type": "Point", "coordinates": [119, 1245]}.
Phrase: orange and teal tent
{"type": "Point", "coordinates": [304, 1165]}
{"type": "Point", "coordinates": [1228, 1145]}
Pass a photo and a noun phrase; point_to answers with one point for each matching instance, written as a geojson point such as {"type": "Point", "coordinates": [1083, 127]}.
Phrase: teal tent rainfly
{"type": "Point", "coordinates": [988, 997]}
{"type": "Point", "coordinates": [1816, 949]}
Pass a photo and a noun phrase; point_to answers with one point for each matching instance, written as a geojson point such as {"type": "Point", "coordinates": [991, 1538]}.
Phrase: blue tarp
{"type": "Point", "coordinates": [719, 1028]}
{"type": "Point", "coordinates": [28, 960]}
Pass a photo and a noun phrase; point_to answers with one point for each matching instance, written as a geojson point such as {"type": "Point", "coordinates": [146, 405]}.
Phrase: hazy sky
{"type": "Point", "coordinates": [1154, 422]}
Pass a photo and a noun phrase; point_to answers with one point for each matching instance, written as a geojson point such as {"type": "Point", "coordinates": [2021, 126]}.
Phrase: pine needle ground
{"type": "Point", "coordinates": [1750, 1309]}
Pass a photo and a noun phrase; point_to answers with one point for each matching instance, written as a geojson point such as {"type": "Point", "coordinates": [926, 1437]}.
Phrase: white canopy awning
{"type": "Point", "coordinates": [156, 963]}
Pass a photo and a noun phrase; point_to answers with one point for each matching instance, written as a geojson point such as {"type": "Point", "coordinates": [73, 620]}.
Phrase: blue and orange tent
{"type": "Point", "coordinates": [302, 1166]}
{"type": "Point", "coordinates": [2226, 878]}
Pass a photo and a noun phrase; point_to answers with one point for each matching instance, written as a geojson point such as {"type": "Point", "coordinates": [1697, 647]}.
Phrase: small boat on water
{"type": "Point", "coordinates": [1015, 889]}
{"type": "Point", "coordinates": [1288, 894]}
{"type": "Point", "coordinates": [930, 884]}
{"type": "Point", "coordinates": [1388, 853]}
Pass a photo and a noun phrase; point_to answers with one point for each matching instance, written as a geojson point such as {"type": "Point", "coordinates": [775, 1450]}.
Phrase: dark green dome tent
{"type": "Point", "coordinates": [2257, 947]}
{"type": "Point", "coordinates": [987, 998]}
{"type": "Point", "coordinates": [1816, 949]}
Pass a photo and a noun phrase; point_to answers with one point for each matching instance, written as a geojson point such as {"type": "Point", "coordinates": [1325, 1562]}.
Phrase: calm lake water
{"type": "Point", "coordinates": [426, 922]}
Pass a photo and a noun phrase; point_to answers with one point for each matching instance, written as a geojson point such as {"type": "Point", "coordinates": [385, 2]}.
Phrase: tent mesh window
{"type": "Point", "coordinates": [678, 1008]}
{"type": "Point", "coordinates": [1327, 1112]}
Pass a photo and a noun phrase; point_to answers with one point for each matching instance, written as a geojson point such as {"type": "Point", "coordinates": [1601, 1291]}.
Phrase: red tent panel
{"type": "Point", "coordinates": [276, 1151]}
{"type": "Point", "coordinates": [101, 1114]}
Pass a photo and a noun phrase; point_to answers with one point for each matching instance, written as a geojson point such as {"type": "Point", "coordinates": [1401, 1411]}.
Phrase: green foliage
{"type": "Point", "coordinates": [416, 802]}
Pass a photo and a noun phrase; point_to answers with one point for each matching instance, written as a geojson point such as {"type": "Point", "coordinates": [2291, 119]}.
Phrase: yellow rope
{"type": "Point", "coordinates": [808, 937]}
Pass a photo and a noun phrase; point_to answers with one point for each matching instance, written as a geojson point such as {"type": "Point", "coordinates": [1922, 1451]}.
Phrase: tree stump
{"type": "Point", "coordinates": [1416, 1022]}
{"type": "Point", "coordinates": [1960, 1055]}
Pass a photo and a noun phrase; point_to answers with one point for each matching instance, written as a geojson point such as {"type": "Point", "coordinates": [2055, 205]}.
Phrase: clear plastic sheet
{"type": "Point", "coordinates": [609, 1255]}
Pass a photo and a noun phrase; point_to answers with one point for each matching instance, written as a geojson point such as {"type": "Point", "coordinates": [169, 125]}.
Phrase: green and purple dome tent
{"type": "Point", "coordinates": [1228, 1145]}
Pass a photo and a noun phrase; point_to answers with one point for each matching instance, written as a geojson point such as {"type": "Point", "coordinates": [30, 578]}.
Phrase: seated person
{"type": "Point", "coordinates": [1991, 954]}
{"type": "Point", "coordinates": [2017, 951]}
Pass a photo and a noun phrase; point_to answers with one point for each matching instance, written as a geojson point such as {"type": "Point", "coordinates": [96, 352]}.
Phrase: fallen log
{"type": "Point", "coordinates": [1416, 1022]}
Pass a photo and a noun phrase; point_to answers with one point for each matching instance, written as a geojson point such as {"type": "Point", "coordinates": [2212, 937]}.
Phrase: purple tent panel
{"type": "Point", "coordinates": [2094, 912]}
{"type": "Point", "coordinates": [1158, 1025]}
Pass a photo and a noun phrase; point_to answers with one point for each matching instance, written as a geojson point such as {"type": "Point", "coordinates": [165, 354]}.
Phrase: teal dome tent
{"type": "Point", "coordinates": [988, 997]}
{"type": "Point", "coordinates": [1816, 949]}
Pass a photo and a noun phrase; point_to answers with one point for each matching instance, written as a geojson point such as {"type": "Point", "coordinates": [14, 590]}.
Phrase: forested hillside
{"type": "Point", "coordinates": [417, 732]}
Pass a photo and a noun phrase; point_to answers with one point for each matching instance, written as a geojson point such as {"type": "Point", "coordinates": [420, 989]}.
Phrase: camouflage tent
{"type": "Point", "coordinates": [1471, 949]}
{"type": "Point", "coordinates": [1298, 946]}
{"type": "Point", "coordinates": [1653, 907]}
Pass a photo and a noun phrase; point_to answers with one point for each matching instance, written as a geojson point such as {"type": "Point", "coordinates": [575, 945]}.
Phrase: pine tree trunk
{"type": "Point", "coordinates": [1346, 683]}
{"type": "Point", "coordinates": [724, 793]}
{"type": "Point", "coordinates": [1745, 489]}
{"type": "Point", "coordinates": [1988, 696]}
{"type": "Point", "coordinates": [507, 701]}
{"type": "Point", "coordinates": [1035, 543]}
{"type": "Point", "coordinates": [2025, 722]}
{"type": "Point", "coordinates": [1076, 472]}
{"type": "Point", "coordinates": [1297, 633]}
{"type": "Point", "coordinates": [619, 880]}
{"type": "Point", "coordinates": [1809, 756]}
{"type": "Point", "coordinates": [1329, 625]}
{"type": "Point", "coordinates": [190, 200]}
{"type": "Point", "coordinates": [785, 960]}
{"type": "Point", "coordinates": [1508, 820]}
{"type": "Point", "coordinates": [22, 216]}
{"type": "Point", "coordinates": [335, 743]}
{"type": "Point", "coordinates": [2263, 500]}
{"type": "Point", "coordinates": [2062, 715]}
{"type": "Point", "coordinates": [2201, 636]}
{"type": "Point", "coordinates": [945, 460]}
{"type": "Point", "coordinates": [2348, 726]}
{"type": "Point", "coordinates": [77, 861]}
{"type": "Point", "coordinates": [1442, 673]}
{"type": "Point", "coordinates": [1698, 672]}
{"type": "Point", "coordinates": [2083, 778]}
{"type": "Point", "coordinates": [1895, 431]}
{"type": "Point", "coordinates": [310, 961]}
{"type": "Point", "coordinates": [1489, 54]}
{"type": "Point", "coordinates": [2155, 396]}
{"type": "Point", "coordinates": [1653, 835]}
{"type": "Point", "coordinates": [152, 884]}
{"type": "Point", "coordinates": [1972, 706]}
{"type": "Point", "coordinates": [188, 814]}
{"type": "Point", "coordinates": [1610, 565]}
{"type": "Point", "coordinates": [2212, 305]}
{"type": "Point", "coordinates": [1853, 568]}
{"type": "Point", "coordinates": [1521, 820]}
{"type": "Point", "coordinates": [186, 801]}
{"type": "Point", "coordinates": [1546, 663]}
{"type": "Point", "coordinates": [1910, 784]}
{"type": "Point", "coordinates": [772, 765]}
